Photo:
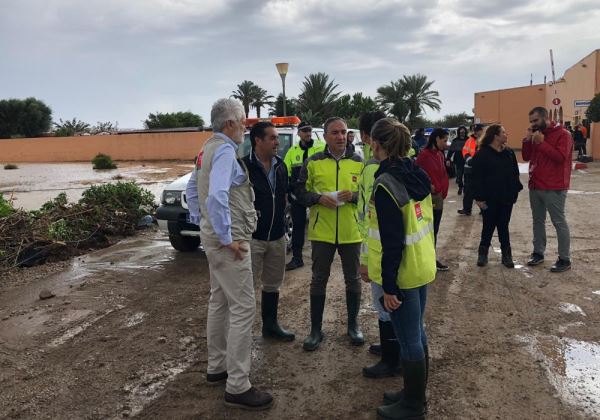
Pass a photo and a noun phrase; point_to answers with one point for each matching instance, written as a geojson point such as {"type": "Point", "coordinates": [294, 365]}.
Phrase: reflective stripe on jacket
{"type": "Point", "coordinates": [417, 267]}
{"type": "Point", "coordinates": [365, 192]}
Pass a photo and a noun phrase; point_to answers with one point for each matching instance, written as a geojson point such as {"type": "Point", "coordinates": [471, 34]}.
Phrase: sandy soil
{"type": "Point", "coordinates": [125, 334]}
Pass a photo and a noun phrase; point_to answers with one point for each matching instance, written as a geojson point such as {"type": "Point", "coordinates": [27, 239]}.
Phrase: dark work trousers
{"type": "Point", "coordinates": [468, 194]}
{"type": "Point", "coordinates": [496, 216]}
{"type": "Point", "coordinates": [322, 256]}
{"type": "Point", "coordinates": [298, 228]}
{"type": "Point", "coordinates": [437, 219]}
{"type": "Point", "coordinates": [460, 170]}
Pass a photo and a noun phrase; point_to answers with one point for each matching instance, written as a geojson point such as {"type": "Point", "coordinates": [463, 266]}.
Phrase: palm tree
{"type": "Point", "coordinates": [392, 98]}
{"type": "Point", "coordinates": [318, 95]}
{"type": "Point", "coordinates": [261, 99]}
{"type": "Point", "coordinates": [70, 127]}
{"type": "Point", "coordinates": [246, 92]}
{"type": "Point", "coordinates": [418, 96]}
{"type": "Point", "coordinates": [276, 108]}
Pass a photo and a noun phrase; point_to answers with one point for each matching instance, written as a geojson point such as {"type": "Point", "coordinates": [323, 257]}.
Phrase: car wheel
{"type": "Point", "coordinates": [288, 228]}
{"type": "Point", "coordinates": [184, 243]}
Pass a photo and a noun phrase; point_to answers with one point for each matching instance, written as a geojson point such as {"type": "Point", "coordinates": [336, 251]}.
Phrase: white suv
{"type": "Point", "coordinates": [173, 214]}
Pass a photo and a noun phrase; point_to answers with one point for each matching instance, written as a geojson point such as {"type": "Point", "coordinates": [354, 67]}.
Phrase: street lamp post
{"type": "Point", "coordinates": [282, 68]}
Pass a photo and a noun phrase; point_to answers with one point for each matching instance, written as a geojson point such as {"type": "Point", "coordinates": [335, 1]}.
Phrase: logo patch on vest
{"type": "Point", "coordinates": [354, 178]}
{"type": "Point", "coordinates": [418, 211]}
{"type": "Point", "coordinates": [297, 157]}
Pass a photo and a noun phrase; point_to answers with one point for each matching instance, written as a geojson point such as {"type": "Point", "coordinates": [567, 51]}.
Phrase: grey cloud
{"type": "Point", "coordinates": [115, 60]}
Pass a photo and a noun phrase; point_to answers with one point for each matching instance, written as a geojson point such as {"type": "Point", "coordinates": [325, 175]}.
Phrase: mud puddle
{"type": "Point", "coordinates": [572, 367]}
{"type": "Point", "coordinates": [32, 184]}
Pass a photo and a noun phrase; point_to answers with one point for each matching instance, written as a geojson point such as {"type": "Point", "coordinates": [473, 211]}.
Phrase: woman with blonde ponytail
{"type": "Point", "coordinates": [401, 227]}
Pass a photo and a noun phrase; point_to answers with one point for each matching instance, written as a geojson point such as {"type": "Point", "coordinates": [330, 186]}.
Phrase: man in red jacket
{"type": "Point", "coordinates": [549, 150]}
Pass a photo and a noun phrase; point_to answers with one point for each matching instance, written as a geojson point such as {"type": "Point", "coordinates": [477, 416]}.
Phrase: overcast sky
{"type": "Point", "coordinates": [118, 60]}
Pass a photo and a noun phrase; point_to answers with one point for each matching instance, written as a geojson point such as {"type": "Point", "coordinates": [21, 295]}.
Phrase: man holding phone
{"type": "Point", "coordinates": [549, 150]}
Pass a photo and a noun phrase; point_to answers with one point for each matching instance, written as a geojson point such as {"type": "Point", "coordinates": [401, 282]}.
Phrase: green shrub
{"type": "Point", "coordinates": [124, 198]}
{"type": "Point", "coordinates": [60, 202]}
{"type": "Point", "coordinates": [102, 161]}
{"type": "Point", "coordinates": [6, 207]}
{"type": "Point", "coordinates": [11, 166]}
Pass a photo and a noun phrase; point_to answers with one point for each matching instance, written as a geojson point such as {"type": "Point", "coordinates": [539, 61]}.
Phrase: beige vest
{"type": "Point", "coordinates": [241, 198]}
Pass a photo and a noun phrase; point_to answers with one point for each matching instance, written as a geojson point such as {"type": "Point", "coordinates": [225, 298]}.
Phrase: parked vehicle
{"type": "Point", "coordinates": [173, 213]}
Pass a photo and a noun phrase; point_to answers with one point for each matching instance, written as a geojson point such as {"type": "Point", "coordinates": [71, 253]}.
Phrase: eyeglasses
{"type": "Point", "coordinates": [306, 129]}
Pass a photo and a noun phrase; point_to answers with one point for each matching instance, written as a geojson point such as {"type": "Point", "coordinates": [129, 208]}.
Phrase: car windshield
{"type": "Point", "coordinates": [285, 142]}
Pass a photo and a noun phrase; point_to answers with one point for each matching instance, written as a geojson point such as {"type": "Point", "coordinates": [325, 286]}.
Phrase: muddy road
{"type": "Point", "coordinates": [125, 334]}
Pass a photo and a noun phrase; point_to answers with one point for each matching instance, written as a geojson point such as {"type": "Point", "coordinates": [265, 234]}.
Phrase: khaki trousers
{"type": "Point", "coordinates": [231, 310]}
{"type": "Point", "coordinates": [268, 263]}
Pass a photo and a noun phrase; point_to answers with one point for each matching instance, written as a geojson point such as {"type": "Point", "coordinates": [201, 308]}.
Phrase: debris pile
{"type": "Point", "coordinates": [59, 229]}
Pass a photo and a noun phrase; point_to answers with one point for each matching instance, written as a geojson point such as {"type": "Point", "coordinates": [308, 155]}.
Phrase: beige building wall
{"type": "Point", "coordinates": [509, 107]}
{"type": "Point", "coordinates": [578, 83]}
{"type": "Point", "coordinates": [146, 146]}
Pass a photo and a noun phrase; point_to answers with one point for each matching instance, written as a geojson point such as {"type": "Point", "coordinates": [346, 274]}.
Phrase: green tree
{"type": "Point", "coordinates": [261, 99]}
{"type": "Point", "coordinates": [363, 104]}
{"type": "Point", "coordinates": [455, 120]}
{"type": "Point", "coordinates": [419, 96]}
{"type": "Point", "coordinates": [291, 106]}
{"type": "Point", "coordinates": [173, 120]}
{"type": "Point", "coordinates": [408, 97]}
{"type": "Point", "coordinates": [350, 107]}
{"type": "Point", "coordinates": [313, 119]}
{"type": "Point", "coordinates": [104, 127]}
{"type": "Point", "coordinates": [593, 111]}
{"type": "Point", "coordinates": [392, 98]}
{"type": "Point", "coordinates": [70, 127]}
{"type": "Point", "coordinates": [28, 117]}
{"type": "Point", "coordinates": [319, 96]}
{"type": "Point", "coordinates": [246, 93]}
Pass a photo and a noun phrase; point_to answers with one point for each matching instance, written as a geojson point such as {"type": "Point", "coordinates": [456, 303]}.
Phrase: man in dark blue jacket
{"type": "Point", "coordinates": [269, 178]}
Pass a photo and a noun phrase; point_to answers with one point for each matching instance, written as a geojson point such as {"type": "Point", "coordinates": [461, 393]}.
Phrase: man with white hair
{"type": "Point", "coordinates": [227, 220]}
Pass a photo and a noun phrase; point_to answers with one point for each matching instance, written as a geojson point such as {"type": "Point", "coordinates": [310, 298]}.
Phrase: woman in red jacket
{"type": "Point", "coordinates": [433, 162]}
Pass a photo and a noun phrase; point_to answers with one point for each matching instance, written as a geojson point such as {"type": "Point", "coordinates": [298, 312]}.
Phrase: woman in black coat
{"type": "Point", "coordinates": [496, 186]}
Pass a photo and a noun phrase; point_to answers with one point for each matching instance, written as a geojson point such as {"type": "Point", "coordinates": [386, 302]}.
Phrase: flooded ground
{"type": "Point", "coordinates": [32, 184]}
{"type": "Point", "coordinates": [125, 334]}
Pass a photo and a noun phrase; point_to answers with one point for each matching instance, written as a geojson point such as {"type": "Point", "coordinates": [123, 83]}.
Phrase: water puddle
{"type": "Point", "coordinates": [570, 308]}
{"type": "Point", "coordinates": [583, 192]}
{"type": "Point", "coordinates": [525, 270]}
{"type": "Point", "coordinates": [135, 319]}
{"type": "Point", "coordinates": [35, 183]}
{"type": "Point", "coordinates": [150, 385]}
{"type": "Point", "coordinates": [563, 328]}
{"type": "Point", "coordinates": [572, 367]}
{"type": "Point", "coordinates": [73, 332]}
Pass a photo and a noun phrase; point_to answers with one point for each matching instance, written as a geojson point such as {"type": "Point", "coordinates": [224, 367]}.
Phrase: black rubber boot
{"type": "Point", "coordinates": [412, 403]}
{"type": "Point", "coordinates": [375, 349]}
{"type": "Point", "coordinates": [507, 259]}
{"type": "Point", "coordinates": [270, 327]}
{"type": "Point", "coordinates": [295, 262]}
{"type": "Point", "coordinates": [390, 397]}
{"type": "Point", "coordinates": [482, 256]}
{"type": "Point", "coordinates": [352, 306]}
{"type": "Point", "coordinates": [390, 354]}
{"type": "Point", "coordinates": [317, 305]}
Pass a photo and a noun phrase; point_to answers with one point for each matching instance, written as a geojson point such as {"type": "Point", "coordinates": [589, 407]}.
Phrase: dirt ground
{"type": "Point", "coordinates": [125, 334]}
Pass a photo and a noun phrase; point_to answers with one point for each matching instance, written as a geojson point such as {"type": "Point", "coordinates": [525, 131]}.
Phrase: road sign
{"type": "Point", "coordinates": [556, 101]}
{"type": "Point", "coordinates": [582, 103]}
